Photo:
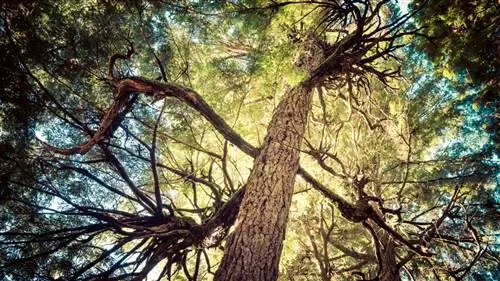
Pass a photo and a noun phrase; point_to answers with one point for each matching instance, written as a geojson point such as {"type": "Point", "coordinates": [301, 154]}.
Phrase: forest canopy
{"type": "Point", "coordinates": [249, 140]}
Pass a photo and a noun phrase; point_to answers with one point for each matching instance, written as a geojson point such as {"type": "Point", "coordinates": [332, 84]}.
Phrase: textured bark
{"type": "Point", "coordinates": [254, 250]}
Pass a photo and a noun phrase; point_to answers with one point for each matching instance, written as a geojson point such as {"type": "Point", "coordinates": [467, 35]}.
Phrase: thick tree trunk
{"type": "Point", "coordinates": [253, 251]}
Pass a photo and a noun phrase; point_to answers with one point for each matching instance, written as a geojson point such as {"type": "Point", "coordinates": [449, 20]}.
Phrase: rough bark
{"type": "Point", "coordinates": [254, 250]}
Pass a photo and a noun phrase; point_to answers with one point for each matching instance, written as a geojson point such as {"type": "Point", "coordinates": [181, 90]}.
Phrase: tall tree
{"type": "Point", "coordinates": [254, 250]}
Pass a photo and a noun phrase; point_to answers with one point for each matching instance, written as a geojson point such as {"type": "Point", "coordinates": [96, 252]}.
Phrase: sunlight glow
{"type": "Point", "coordinates": [403, 5]}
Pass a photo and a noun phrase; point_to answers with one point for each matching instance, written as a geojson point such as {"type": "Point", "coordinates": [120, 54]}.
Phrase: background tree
{"type": "Point", "coordinates": [134, 178]}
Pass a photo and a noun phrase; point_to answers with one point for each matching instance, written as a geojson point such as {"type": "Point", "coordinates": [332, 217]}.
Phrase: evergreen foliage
{"type": "Point", "coordinates": [129, 131]}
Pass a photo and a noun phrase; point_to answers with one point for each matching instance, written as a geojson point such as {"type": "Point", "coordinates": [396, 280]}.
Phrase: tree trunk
{"type": "Point", "coordinates": [390, 268]}
{"type": "Point", "coordinates": [254, 250]}
{"type": "Point", "coordinates": [387, 262]}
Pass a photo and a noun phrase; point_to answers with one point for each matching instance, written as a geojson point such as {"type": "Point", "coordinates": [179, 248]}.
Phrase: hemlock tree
{"type": "Point", "coordinates": [184, 151]}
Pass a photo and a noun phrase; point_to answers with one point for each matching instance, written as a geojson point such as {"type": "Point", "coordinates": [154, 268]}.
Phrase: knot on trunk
{"type": "Point", "coordinates": [358, 212]}
{"type": "Point", "coordinates": [312, 52]}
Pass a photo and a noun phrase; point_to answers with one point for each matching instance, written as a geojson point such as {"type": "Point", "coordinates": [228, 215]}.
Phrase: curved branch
{"type": "Point", "coordinates": [112, 60]}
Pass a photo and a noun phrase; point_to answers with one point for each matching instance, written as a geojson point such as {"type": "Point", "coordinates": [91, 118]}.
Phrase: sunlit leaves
{"type": "Point", "coordinates": [416, 142]}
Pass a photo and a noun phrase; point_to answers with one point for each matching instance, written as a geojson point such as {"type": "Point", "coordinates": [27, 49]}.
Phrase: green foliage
{"type": "Point", "coordinates": [415, 140]}
{"type": "Point", "coordinates": [463, 49]}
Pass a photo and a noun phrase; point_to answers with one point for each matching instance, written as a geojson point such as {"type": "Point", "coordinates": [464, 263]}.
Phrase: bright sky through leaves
{"type": "Point", "coordinates": [249, 140]}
